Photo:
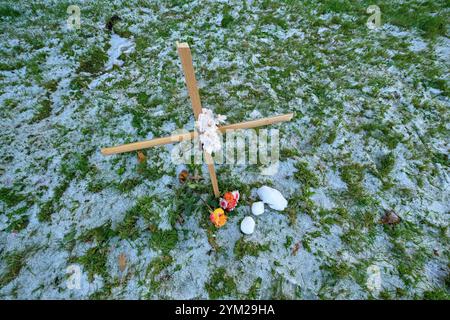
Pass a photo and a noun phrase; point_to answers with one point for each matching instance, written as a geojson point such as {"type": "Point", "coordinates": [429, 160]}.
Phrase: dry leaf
{"type": "Point", "coordinates": [166, 277]}
{"type": "Point", "coordinates": [152, 228]}
{"type": "Point", "coordinates": [141, 157]}
{"type": "Point", "coordinates": [196, 178]}
{"type": "Point", "coordinates": [390, 217]}
{"type": "Point", "coordinates": [180, 219]}
{"type": "Point", "coordinates": [183, 176]}
{"type": "Point", "coordinates": [296, 248]}
{"type": "Point", "coordinates": [122, 262]}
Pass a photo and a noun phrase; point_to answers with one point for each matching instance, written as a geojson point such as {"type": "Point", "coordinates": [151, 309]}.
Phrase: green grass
{"type": "Point", "coordinates": [15, 261]}
{"type": "Point", "coordinates": [288, 242]}
{"type": "Point", "coordinates": [246, 248]}
{"type": "Point", "coordinates": [94, 262]}
{"type": "Point", "coordinates": [45, 211]}
{"type": "Point", "coordinates": [353, 176]}
{"type": "Point", "coordinates": [43, 111]}
{"type": "Point", "coordinates": [19, 223]}
{"type": "Point", "coordinates": [128, 184]}
{"type": "Point", "coordinates": [301, 202]}
{"type": "Point", "coordinates": [128, 229]}
{"type": "Point", "coordinates": [97, 186]}
{"type": "Point", "coordinates": [164, 240]}
{"type": "Point", "coordinates": [308, 238]}
{"type": "Point", "coordinates": [7, 11]}
{"type": "Point", "coordinates": [386, 164]}
{"type": "Point", "coordinates": [337, 270]}
{"type": "Point", "coordinates": [305, 176]}
{"type": "Point", "coordinates": [383, 132]}
{"type": "Point", "coordinates": [427, 17]}
{"type": "Point", "coordinates": [287, 153]}
{"type": "Point", "coordinates": [155, 269]}
{"type": "Point", "coordinates": [146, 209]}
{"type": "Point", "coordinates": [101, 234]}
{"type": "Point", "coordinates": [73, 167]}
{"type": "Point", "coordinates": [254, 290]}
{"type": "Point", "coordinates": [306, 244]}
{"type": "Point", "coordinates": [220, 284]}
{"type": "Point", "coordinates": [76, 165]}
{"type": "Point", "coordinates": [11, 196]}
{"type": "Point", "coordinates": [436, 294]}
{"type": "Point", "coordinates": [93, 61]}
{"type": "Point", "coordinates": [278, 291]}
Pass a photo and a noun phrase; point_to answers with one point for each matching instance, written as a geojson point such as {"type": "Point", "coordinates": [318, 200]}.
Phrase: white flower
{"type": "Point", "coordinates": [209, 132]}
{"type": "Point", "coordinates": [221, 118]}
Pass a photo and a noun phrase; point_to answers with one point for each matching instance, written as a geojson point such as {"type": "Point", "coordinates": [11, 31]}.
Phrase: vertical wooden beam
{"type": "Point", "coordinates": [188, 68]}
{"type": "Point", "coordinates": [212, 173]}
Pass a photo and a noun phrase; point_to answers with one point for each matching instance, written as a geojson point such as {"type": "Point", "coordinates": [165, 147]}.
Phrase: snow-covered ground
{"type": "Point", "coordinates": [370, 134]}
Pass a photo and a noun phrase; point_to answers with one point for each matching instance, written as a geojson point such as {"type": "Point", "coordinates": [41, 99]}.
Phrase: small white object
{"type": "Point", "coordinates": [272, 197]}
{"type": "Point", "coordinates": [258, 208]}
{"type": "Point", "coordinates": [119, 45]}
{"type": "Point", "coordinates": [209, 132]}
{"type": "Point", "coordinates": [248, 225]}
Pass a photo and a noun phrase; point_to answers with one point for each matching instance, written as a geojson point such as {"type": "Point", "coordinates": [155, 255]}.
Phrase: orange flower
{"type": "Point", "coordinates": [218, 217]}
{"type": "Point", "coordinates": [229, 200]}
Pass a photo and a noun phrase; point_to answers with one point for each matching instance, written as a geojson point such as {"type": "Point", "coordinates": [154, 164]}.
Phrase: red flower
{"type": "Point", "coordinates": [229, 200]}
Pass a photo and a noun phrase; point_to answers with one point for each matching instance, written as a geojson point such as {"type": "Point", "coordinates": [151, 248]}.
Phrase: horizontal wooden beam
{"type": "Point", "coordinates": [192, 135]}
{"type": "Point", "coordinates": [149, 143]}
{"type": "Point", "coordinates": [257, 123]}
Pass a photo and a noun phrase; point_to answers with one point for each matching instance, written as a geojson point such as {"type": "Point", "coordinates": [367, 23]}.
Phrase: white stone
{"type": "Point", "coordinates": [248, 225]}
{"type": "Point", "coordinates": [258, 208]}
{"type": "Point", "coordinates": [272, 197]}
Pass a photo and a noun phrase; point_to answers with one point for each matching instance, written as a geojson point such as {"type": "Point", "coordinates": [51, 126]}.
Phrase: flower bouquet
{"type": "Point", "coordinates": [227, 203]}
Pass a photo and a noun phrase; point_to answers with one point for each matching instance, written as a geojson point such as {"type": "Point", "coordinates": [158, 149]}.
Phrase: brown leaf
{"type": "Point", "coordinates": [390, 217]}
{"type": "Point", "coordinates": [196, 178]}
{"type": "Point", "coordinates": [122, 262]}
{"type": "Point", "coordinates": [166, 277]}
{"type": "Point", "coordinates": [183, 176]}
{"type": "Point", "coordinates": [141, 157]}
{"type": "Point", "coordinates": [152, 228]}
{"type": "Point", "coordinates": [296, 248]}
{"type": "Point", "coordinates": [180, 219]}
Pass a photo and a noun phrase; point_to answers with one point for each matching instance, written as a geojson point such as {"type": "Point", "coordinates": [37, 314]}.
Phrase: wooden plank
{"type": "Point", "coordinates": [149, 143]}
{"type": "Point", "coordinates": [186, 61]}
{"type": "Point", "coordinates": [256, 123]}
{"type": "Point", "coordinates": [192, 135]}
{"type": "Point", "coordinates": [212, 173]}
{"type": "Point", "coordinates": [188, 68]}
{"type": "Point", "coordinates": [191, 83]}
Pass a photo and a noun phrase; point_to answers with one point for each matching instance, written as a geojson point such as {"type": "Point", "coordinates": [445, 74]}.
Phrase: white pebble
{"type": "Point", "coordinates": [258, 208]}
{"type": "Point", "coordinates": [248, 225]}
{"type": "Point", "coordinates": [272, 197]}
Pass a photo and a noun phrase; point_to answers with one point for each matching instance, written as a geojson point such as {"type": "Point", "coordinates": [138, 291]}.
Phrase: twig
{"type": "Point", "coordinates": [206, 204]}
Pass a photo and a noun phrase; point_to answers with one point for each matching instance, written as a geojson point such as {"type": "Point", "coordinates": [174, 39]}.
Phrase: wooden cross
{"type": "Point", "coordinates": [186, 61]}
